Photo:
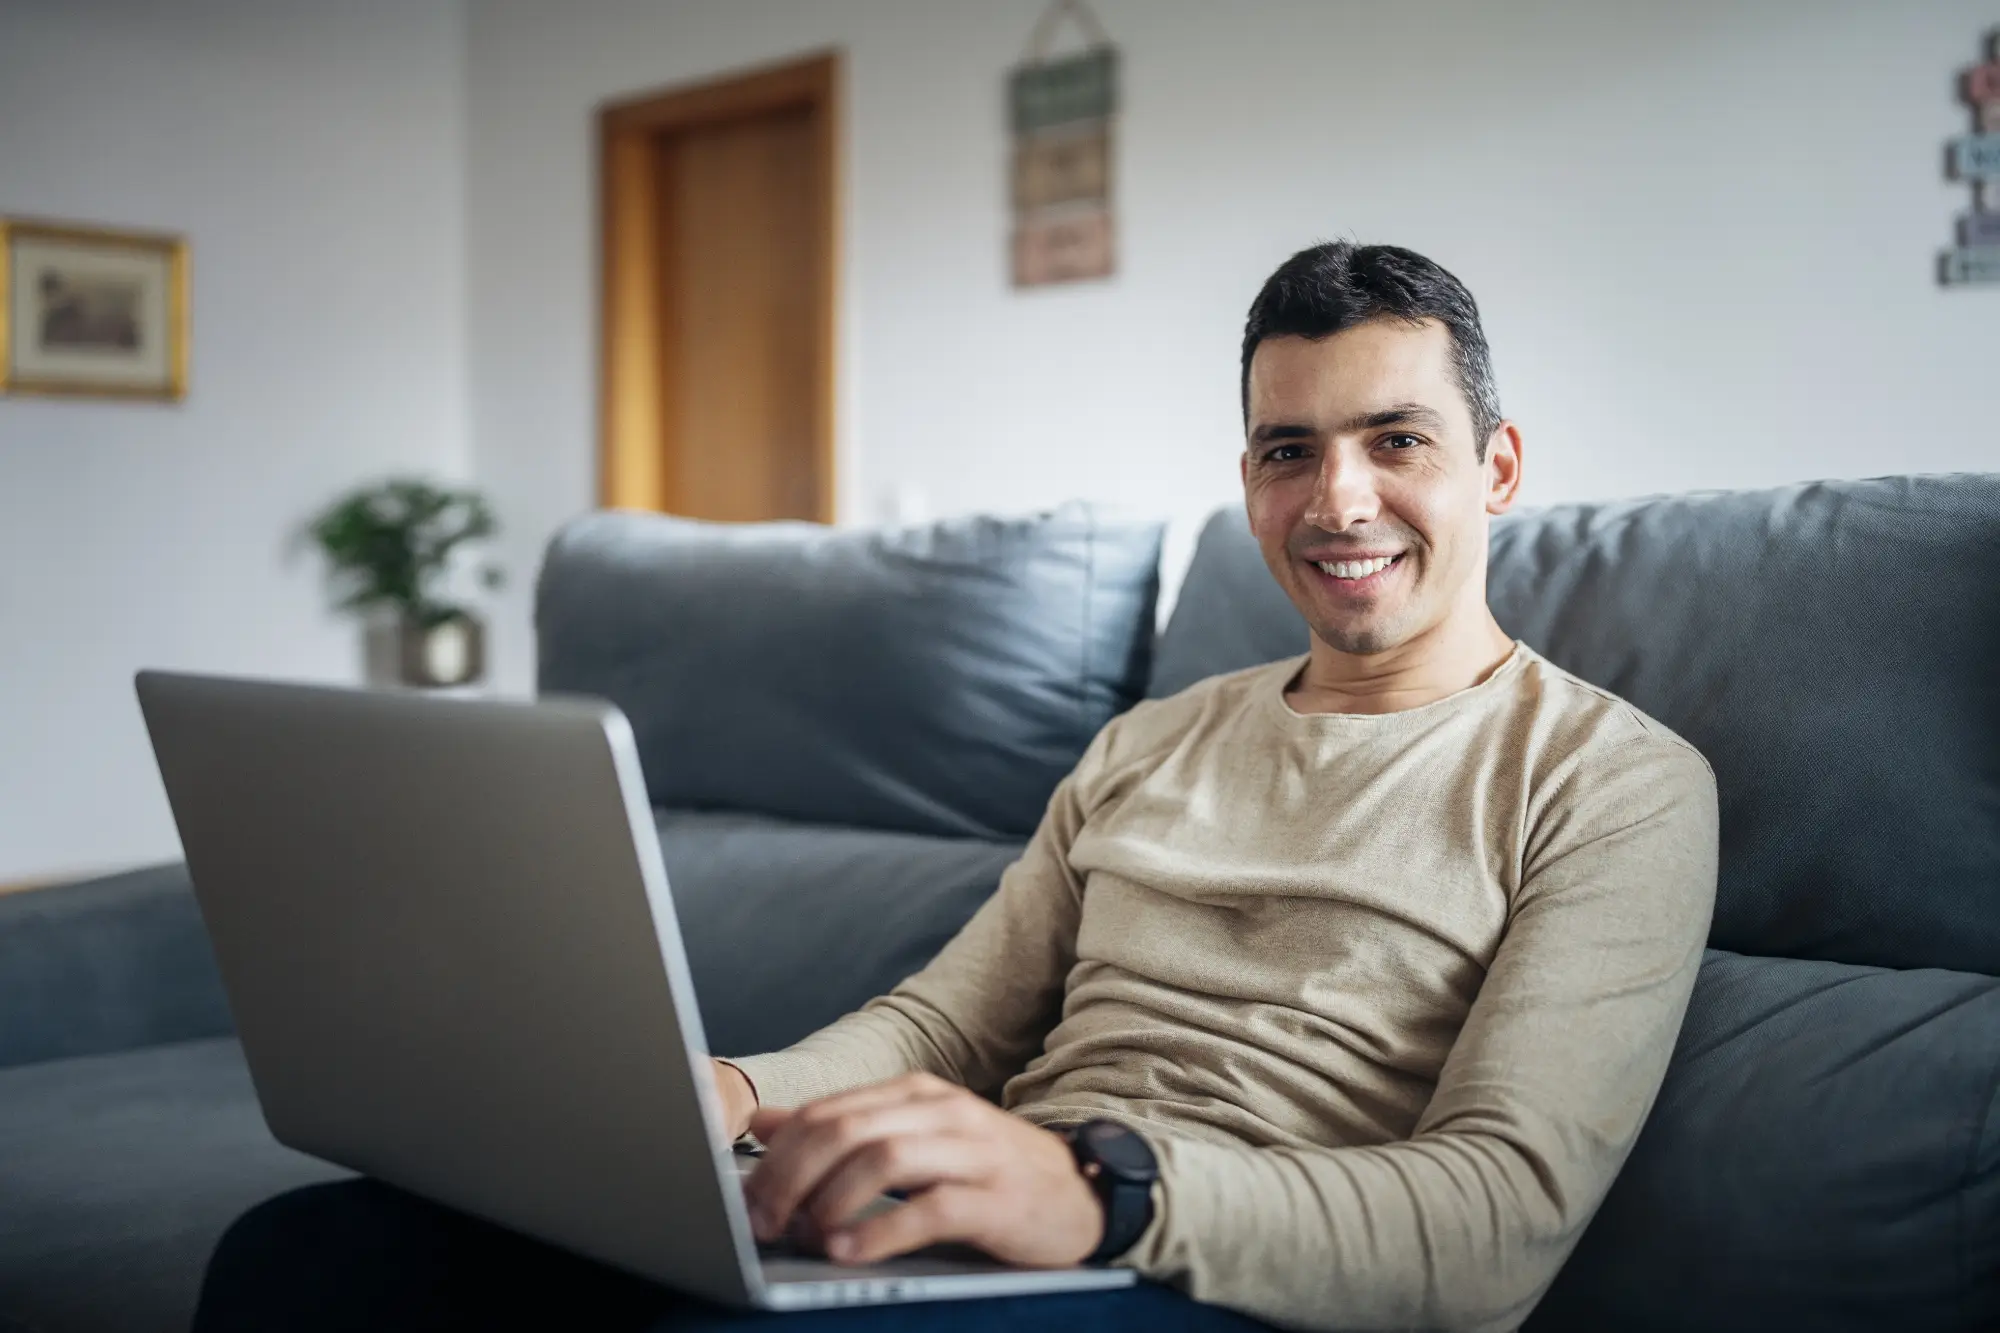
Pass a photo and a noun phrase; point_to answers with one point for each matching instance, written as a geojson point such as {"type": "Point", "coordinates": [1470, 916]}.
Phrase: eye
{"type": "Point", "coordinates": [1403, 441]}
{"type": "Point", "coordinates": [1286, 453]}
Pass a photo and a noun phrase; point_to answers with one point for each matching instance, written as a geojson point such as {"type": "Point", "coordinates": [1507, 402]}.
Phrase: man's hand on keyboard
{"type": "Point", "coordinates": [973, 1174]}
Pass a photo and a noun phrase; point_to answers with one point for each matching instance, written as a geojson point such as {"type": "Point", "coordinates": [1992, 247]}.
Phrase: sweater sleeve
{"type": "Point", "coordinates": [980, 1010]}
{"type": "Point", "coordinates": [1465, 1224]}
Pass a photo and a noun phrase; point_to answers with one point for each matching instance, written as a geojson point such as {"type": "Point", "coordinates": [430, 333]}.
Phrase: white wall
{"type": "Point", "coordinates": [313, 154]}
{"type": "Point", "coordinates": [1703, 235]}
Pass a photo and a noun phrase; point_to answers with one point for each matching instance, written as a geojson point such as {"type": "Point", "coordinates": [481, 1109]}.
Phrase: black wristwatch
{"type": "Point", "coordinates": [1121, 1170]}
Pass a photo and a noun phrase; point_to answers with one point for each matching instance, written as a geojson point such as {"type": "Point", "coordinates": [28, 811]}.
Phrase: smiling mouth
{"type": "Point", "coordinates": [1355, 575]}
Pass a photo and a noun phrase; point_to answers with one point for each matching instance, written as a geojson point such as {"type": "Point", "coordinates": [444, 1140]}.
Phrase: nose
{"type": "Point", "coordinates": [1344, 496]}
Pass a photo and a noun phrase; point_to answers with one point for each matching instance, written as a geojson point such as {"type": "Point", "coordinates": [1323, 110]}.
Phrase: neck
{"type": "Point", "coordinates": [1455, 655]}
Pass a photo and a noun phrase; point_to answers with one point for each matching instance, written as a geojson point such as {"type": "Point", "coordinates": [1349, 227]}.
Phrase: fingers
{"type": "Point", "coordinates": [931, 1218]}
{"type": "Point", "coordinates": [768, 1120]}
{"type": "Point", "coordinates": [974, 1174]}
{"type": "Point", "coordinates": [805, 1146]}
{"type": "Point", "coordinates": [815, 1141]}
{"type": "Point", "coordinates": [908, 1088]}
{"type": "Point", "coordinates": [912, 1164]}
{"type": "Point", "coordinates": [814, 1117]}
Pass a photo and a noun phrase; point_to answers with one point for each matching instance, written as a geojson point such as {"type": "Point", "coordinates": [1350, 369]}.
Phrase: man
{"type": "Point", "coordinates": [1375, 957]}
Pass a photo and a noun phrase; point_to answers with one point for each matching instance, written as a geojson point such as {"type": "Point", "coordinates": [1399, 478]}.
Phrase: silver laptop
{"type": "Point", "coordinates": [447, 940]}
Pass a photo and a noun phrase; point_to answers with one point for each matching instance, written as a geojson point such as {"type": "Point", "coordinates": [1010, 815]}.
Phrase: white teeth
{"type": "Point", "coordinates": [1356, 569]}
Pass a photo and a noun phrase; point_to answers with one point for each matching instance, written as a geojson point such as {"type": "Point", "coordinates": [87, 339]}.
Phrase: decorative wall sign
{"type": "Point", "coordinates": [1975, 158]}
{"type": "Point", "coordinates": [1062, 112]}
{"type": "Point", "coordinates": [1981, 228]}
{"type": "Point", "coordinates": [90, 312]}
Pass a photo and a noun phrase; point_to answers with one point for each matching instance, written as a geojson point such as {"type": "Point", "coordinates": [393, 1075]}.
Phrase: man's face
{"type": "Point", "coordinates": [1364, 483]}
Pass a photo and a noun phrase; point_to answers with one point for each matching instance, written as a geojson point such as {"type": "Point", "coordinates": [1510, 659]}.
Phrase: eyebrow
{"type": "Point", "coordinates": [1401, 414]}
{"type": "Point", "coordinates": [1281, 431]}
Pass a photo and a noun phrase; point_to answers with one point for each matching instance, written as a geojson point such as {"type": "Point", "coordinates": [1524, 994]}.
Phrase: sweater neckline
{"type": "Point", "coordinates": [1273, 690]}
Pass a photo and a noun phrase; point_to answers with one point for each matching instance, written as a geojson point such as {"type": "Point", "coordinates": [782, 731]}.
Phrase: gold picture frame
{"type": "Point", "coordinates": [92, 312]}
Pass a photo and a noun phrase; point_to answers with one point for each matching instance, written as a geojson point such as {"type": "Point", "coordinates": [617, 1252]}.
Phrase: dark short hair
{"type": "Point", "coordinates": [1320, 291]}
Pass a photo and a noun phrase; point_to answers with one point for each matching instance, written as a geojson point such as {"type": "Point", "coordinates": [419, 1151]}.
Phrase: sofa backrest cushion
{"type": "Point", "coordinates": [1833, 648]}
{"type": "Point", "coordinates": [1230, 613]}
{"type": "Point", "coordinates": [788, 926]}
{"type": "Point", "coordinates": [106, 965]}
{"type": "Point", "coordinates": [938, 679]}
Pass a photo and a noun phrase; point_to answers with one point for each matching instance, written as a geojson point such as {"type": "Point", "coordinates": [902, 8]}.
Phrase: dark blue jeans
{"type": "Point", "coordinates": [359, 1255]}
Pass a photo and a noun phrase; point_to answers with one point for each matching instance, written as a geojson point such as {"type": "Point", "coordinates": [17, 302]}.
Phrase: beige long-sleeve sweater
{"type": "Point", "coordinates": [1390, 995]}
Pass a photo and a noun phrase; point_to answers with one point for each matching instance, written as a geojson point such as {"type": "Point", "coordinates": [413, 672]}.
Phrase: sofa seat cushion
{"type": "Point", "coordinates": [937, 679]}
{"type": "Point", "coordinates": [1825, 1155]}
{"type": "Point", "coordinates": [118, 1174]}
{"type": "Point", "coordinates": [789, 926]}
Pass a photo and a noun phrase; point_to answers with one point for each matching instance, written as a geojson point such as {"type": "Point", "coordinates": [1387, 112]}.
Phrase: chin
{"type": "Point", "coordinates": [1359, 642]}
{"type": "Point", "coordinates": [1362, 635]}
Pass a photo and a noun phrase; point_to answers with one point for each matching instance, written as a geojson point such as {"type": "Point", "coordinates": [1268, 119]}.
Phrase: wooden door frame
{"type": "Point", "coordinates": [631, 348]}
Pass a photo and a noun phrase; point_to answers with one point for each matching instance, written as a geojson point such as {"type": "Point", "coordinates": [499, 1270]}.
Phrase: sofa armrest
{"type": "Point", "coordinates": [106, 965]}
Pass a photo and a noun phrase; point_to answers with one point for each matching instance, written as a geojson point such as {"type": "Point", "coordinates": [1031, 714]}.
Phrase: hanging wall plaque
{"type": "Point", "coordinates": [1975, 159]}
{"type": "Point", "coordinates": [1061, 112]}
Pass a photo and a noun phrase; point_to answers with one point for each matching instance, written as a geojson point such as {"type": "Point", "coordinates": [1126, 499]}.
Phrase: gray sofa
{"type": "Point", "coordinates": [848, 735]}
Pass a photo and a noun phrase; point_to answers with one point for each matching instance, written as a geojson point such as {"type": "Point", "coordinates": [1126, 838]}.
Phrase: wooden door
{"type": "Point", "coordinates": [719, 298]}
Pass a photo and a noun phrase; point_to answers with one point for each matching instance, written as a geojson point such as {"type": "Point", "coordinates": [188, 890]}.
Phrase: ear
{"type": "Point", "coordinates": [1503, 467]}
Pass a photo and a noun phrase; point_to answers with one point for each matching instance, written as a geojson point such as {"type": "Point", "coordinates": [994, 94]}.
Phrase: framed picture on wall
{"type": "Point", "coordinates": [91, 312]}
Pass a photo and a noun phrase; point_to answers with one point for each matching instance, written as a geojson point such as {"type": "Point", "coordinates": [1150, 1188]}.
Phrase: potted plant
{"type": "Point", "coordinates": [388, 547]}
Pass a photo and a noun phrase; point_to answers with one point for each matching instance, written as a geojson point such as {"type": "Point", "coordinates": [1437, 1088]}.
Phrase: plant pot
{"type": "Point", "coordinates": [450, 652]}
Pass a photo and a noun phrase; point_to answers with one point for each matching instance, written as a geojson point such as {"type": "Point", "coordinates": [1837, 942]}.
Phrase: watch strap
{"type": "Point", "coordinates": [1128, 1211]}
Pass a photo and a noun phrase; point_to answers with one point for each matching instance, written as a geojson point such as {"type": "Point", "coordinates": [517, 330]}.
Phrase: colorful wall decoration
{"type": "Point", "coordinates": [1975, 159]}
{"type": "Point", "coordinates": [1062, 112]}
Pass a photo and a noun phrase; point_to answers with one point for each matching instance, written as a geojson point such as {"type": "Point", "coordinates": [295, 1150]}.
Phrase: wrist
{"type": "Point", "coordinates": [1087, 1234]}
{"type": "Point", "coordinates": [739, 1095]}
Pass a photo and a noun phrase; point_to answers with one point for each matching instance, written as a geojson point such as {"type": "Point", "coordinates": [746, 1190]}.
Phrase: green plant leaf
{"type": "Point", "coordinates": [389, 544]}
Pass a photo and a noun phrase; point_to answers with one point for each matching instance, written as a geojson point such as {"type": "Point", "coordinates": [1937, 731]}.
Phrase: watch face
{"type": "Point", "coordinates": [1120, 1151]}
